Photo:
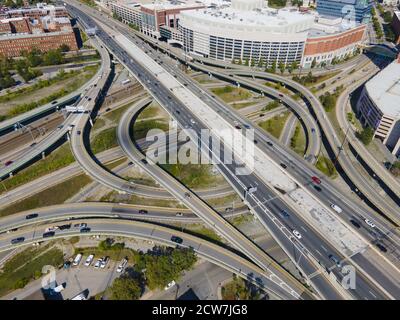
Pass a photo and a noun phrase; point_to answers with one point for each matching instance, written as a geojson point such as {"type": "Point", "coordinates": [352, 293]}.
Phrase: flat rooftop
{"type": "Point", "coordinates": [384, 89]}
{"type": "Point", "coordinates": [262, 17]}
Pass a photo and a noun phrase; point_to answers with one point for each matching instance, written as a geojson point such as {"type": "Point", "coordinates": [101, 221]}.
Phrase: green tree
{"type": "Point", "coordinates": [328, 101]}
{"type": "Point", "coordinates": [53, 57]}
{"type": "Point", "coordinates": [313, 63]}
{"type": "Point", "coordinates": [366, 135]}
{"type": "Point", "coordinates": [64, 48]}
{"type": "Point", "coordinates": [34, 57]}
{"type": "Point", "coordinates": [282, 67]}
{"type": "Point", "coordinates": [125, 288]}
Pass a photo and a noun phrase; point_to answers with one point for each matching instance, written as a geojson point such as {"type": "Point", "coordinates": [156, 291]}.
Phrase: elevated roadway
{"type": "Point", "coordinates": [159, 234]}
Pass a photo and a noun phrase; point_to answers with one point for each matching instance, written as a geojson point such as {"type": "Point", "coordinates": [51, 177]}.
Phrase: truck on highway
{"type": "Point", "coordinates": [125, 81]}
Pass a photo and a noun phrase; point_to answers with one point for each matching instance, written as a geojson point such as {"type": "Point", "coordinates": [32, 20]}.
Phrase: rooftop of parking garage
{"type": "Point", "coordinates": [384, 89]}
{"type": "Point", "coordinates": [260, 17]}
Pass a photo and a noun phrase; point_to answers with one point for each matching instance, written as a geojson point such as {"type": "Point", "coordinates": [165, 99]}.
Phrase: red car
{"type": "Point", "coordinates": [316, 180]}
{"type": "Point", "coordinates": [8, 162]}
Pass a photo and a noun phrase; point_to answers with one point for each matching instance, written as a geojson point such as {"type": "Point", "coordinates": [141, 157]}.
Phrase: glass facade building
{"type": "Point", "coordinates": [355, 10]}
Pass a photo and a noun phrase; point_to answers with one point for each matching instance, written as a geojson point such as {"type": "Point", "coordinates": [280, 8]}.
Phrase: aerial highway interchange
{"type": "Point", "coordinates": [285, 192]}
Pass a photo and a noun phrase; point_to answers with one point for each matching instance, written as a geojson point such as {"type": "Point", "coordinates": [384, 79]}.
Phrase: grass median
{"type": "Point", "coordinates": [231, 94]}
{"type": "Point", "coordinates": [27, 266]}
{"type": "Point", "coordinates": [276, 124]}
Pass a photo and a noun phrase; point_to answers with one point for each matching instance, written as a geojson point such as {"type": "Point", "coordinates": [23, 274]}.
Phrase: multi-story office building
{"type": "Point", "coordinates": [128, 12]}
{"type": "Point", "coordinates": [244, 29]}
{"type": "Point", "coordinates": [248, 31]}
{"type": "Point", "coordinates": [355, 10]}
{"type": "Point", "coordinates": [396, 26]}
{"type": "Point", "coordinates": [379, 108]}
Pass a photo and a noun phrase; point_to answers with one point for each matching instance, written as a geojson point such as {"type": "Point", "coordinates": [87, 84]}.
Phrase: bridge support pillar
{"type": "Point", "coordinates": [11, 175]}
{"type": "Point", "coordinates": [43, 155]}
{"type": "Point", "coordinates": [91, 122]}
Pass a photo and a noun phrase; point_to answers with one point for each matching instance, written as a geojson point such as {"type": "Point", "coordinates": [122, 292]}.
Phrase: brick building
{"type": "Point", "coordinates": [327, 47]}
{"type": "Point", "coordinates": [42, 27]}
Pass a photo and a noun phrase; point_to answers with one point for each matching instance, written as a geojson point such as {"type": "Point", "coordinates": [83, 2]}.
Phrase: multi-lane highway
{"type": "Point", "coordinates": [199, 207]}
{"type": "Point", "coordinates": [143, 230]}
{"type": "Point", "coordinates": [115, 49]}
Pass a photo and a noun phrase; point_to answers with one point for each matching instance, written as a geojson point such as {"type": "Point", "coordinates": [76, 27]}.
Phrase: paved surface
{"type": "Point", "coordinates": [131, 60]}
{"type": "Point", "coordinates": [204, 249]}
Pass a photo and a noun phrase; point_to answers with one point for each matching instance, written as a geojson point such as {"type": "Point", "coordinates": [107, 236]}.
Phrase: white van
{"type": "Point", "coordinates": [89, 260]}
{"type": "Point", "coordinates": [122, 265]}
{"type": "Point", "coordinates": [77, 259]}
{"type": "Point", "coordinates": [336, 208]}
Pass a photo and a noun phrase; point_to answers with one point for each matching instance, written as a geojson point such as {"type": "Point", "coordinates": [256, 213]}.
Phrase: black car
{"type": "Point", "coordinates": [176, 239]}
{"type": "Point", "coordinates": [17, 240]}
{"type": "Point", "coordinates": [48, 234]}
{"type": "Point", "coordinates": [65, 227]}
{"type": "Point", "coordinates": [355, 223]}
{"type": "Point", "coordinates": [317, 188]}
{"type": "Point", "coordinates": [285, 214]}
{"type": "Point", "coordinates": [141, 211]}
{"type": "Point", "coordinates": [144, 161]}
{"type": "Point", "coordinates": [31, 216]}
{"type": "Point", "coordinates": [86, 229]}
{"type": "Point", "coordinates": [381, 247]}
{"type": "Point", "coordinates": [284, 166]}
{"type": "Point", "coordinates": [269, 143]}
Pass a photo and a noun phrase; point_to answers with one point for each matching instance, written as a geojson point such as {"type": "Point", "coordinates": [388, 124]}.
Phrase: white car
{"type": "Point", "coordinates": [169, 285]}
{"type": "Point", "coordinates": [297, 234]}
{"type": "Point", "coordinates": [104, 262]}
{"type": "Point", "coordinates": [89, 260]}
{"type": "Point", "coordinates": [370, 223]}
{"type": "Point", "coordinates": [98, 263]}
{"type": "Point", "coordinates": [336, 208]}
{"type": "Point", "coordinates": [122, 265]}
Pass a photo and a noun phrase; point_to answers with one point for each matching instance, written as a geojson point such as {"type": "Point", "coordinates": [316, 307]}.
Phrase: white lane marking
{"type": "Point", "coordinates": [324, 248]}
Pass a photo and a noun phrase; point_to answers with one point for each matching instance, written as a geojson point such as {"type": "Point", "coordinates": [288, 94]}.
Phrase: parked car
{"type": "Point", "coordinates": [122, 265]}
{"type": "Point", "coordinates": [89, 260]}
{"type": "Point", "coordinates": [104, 262]}
{"type": "Point", "coordinates": [98, 263]}
{"type": "Point", "coordinates": [169, 285]}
